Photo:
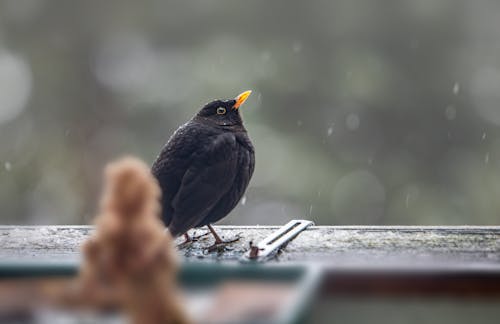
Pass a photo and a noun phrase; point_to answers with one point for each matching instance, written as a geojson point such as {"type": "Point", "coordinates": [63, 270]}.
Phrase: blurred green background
{"type": "Point", "coordinates": [363, 112]}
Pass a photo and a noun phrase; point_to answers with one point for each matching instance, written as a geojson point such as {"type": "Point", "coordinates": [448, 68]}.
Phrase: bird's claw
{"type": "Point", "coordinates": [221, 246]}
{"type": "Point", "coordinates": [191, 239]}
{"type": "Point", "coordinates": [195, 238]}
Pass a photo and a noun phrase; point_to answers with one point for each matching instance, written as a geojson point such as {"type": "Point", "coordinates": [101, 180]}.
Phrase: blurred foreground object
{"type": "Point", "coordinates": [130, 262]}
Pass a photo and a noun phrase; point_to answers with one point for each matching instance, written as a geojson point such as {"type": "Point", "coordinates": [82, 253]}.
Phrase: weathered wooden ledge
{"type": "Point", "coordinates": [411, 247]}
{"type": "Point", "coordinates": [463, 260]}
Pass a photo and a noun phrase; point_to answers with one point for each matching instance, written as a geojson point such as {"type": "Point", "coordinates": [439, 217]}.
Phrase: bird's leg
{"type": "Point", "coordinates": [218, 241]}
{"type": "Point", "coordinates": [187, 238]}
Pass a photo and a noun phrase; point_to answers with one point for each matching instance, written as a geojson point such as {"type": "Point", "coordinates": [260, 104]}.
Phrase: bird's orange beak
{"type": "Point", "coordinates": [241, 98]}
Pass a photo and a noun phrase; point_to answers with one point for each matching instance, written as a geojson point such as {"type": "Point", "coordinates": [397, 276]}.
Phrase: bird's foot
{"type": "Point", "coordinates": [221, 245]}
{"type": "Point", "coordinates": [195, 238]}
{"type": "Point", "coordinates": [188, 240]}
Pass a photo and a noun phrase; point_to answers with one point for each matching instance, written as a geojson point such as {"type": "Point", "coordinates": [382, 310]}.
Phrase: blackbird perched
{"type": "Point", "coordinates": [205, 167]}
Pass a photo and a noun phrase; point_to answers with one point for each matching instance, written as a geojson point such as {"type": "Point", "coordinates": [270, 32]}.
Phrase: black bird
{"type": "Point", "coordinates": [205, 167]}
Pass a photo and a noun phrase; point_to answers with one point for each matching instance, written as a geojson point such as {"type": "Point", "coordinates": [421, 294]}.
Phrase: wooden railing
{"type": "Point", "coordinates": [462, 260]}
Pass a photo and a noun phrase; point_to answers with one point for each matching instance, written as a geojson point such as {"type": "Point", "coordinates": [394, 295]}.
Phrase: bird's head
{"type": "Point", "coordinates": [224, 112]}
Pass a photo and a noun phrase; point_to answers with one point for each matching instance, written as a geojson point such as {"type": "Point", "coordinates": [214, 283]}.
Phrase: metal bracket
{"type": "Point", "coordinates": [268, 247]}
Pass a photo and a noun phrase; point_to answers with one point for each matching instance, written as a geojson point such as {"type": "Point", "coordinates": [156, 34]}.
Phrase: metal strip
{"type": "Point", "coordinates": [268, 247]}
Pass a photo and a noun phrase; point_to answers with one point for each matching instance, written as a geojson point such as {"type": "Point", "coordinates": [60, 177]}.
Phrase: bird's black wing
{"type": "Point", "coordinates": [172, 163]}
{"type": "Point", "coordinates": [208, 178]}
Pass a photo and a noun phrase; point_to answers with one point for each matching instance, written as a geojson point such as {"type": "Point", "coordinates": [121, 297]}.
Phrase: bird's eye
{"type": "Point", "coordinates": [221, 111]}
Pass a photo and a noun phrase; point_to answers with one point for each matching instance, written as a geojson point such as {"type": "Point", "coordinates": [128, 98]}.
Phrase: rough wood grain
{"type": "Point", "coordinates": [466, 247]}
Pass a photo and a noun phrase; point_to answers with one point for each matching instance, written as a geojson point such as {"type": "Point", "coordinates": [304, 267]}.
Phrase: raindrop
{"type": "Point", "coordinates": [487, 158]}
{"type": "Point", "coordinates": [299, 123]}
{"type": "Point", "coordinates": [244, 200]}
{"type": "Point", "coordinates": [483, 137]}
{"type": "Point", "coordinates": [310, 210]}
{"type": "Point", "coordinates": [411, 195]}
{"type": "Point", "coordinates": [8, 166]}
{"type": "Point", "coordinates": [329, 132]}
{"type": "Point", "coordinates": [352, 121]}
{"type": "Point", "coordinates": [450, 113]}
{"type": "Point", "coordinates": [456, 88]}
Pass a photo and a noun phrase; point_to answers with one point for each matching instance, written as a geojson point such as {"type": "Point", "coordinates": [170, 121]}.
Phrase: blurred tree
{"type": "Point", "coordinates": [366, 112]}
